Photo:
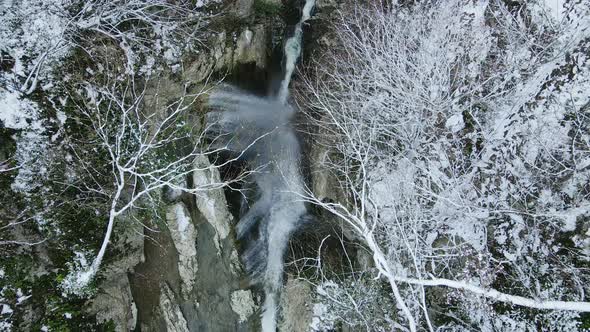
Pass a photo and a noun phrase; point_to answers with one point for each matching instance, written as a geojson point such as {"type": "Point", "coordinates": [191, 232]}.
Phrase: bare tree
{"type": "Point", "coordinates": [140, 150]}
{"type": "Point", "coordinates": [123, 150]}
{"type": "Point", "coordinates": [134, 25]}
{"type": "Point", "coordinates": [405, 109]}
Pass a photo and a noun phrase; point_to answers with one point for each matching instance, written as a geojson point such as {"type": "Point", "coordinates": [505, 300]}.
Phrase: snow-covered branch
{"type": "Point", "coordinates": [138, 150]}
{"type": "Point", "coordinates": [499, 296]}
{"type": "Point", "coordinates": [450, 153]}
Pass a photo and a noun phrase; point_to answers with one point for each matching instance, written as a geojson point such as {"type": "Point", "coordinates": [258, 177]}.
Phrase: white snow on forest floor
{"type": "Point", "coordinates": [79, 276]}
{"type": "Point", "coordinates": [555, 9]}
{"type": "Point", "coordinates": [31, 32]}
{"type": "Point", "coordinates": [18, 113]}
{"type": "Point", "coordinates": [32, 155]}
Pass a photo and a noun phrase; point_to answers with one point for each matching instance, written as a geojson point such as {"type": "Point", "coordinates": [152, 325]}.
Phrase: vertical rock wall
{"type": "Point", "coordinates": [187, 276]}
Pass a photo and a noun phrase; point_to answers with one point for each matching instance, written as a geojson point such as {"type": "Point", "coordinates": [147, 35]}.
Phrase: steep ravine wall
{"type": "Point", "coordinates": [191, 279]}
{"type": "Point", "coordinates": [185, 274]}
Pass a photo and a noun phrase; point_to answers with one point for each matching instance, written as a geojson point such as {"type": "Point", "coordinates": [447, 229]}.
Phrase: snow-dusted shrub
{"type": "Point", "coordinates": [356, 301]}
{"type": "Point", "coordinates": [458, 130]}
{"type": "Point", "coordinates": [36, 34]}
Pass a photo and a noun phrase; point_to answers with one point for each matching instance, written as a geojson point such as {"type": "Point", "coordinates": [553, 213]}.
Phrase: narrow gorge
{"type": "Point", "coordinates": [202, 286]}
{"type": "Point", "coordinates": [294, 165]}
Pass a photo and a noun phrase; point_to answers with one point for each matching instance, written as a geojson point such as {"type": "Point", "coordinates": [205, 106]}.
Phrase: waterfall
{"type": "Point", "coordinates": [280, 232]}
{"type": "Point", "coordinates": [292, 50]}
{"type": "Point", "coordinates": [240, 122]}
{"type": "Point", "coordinates": [259, 128]}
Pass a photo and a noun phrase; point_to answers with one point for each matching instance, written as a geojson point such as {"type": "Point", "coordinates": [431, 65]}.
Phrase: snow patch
{"type": "Point", "coordinates": [21, 297]}
{"type": "Point", "coordinates": [80, 276]}
{"type": "Point", "coordinates": [6, 310]}
{"type": "Point", "coordinates": [455, 123]}
{"type": "Point", "coordinates": [555, 9]}
{"type": "Point", "coordinates": [18, 113]}
{"type": "Point", "coordinates": [31, 143]}
{"type": "Point", "coordinates": [32, 33]}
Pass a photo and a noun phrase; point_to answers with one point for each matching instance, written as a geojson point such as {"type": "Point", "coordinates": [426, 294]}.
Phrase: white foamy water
{"type": "Point", "coordinates": [262, 126]}
{"type": "Point", "coordinates": [292, 51]}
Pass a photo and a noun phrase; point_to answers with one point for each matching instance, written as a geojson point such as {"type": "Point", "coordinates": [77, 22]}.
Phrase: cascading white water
{"type": "Point", "coordinates": [262, 128]}
{"type": "Point", "coordinates": [280, 233]}
{"type": "Point", "coordinates": [292, 50]}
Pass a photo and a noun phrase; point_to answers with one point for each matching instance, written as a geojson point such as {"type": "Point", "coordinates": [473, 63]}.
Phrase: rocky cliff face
{"type": "Point", "coordinates": [185, 275]}
{"type": "Point", "coordinates": [180, 272]}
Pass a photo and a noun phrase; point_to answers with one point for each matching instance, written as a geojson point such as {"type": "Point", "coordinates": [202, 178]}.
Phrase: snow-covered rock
{"type": "Point", "coordinates": [184, 236]}
{"type": "Point", "coordinates": [170, 310]}
{"type": "Point", "coordinates": [242, 303]}
{"type": "Point", "coordinates": [212, 203]}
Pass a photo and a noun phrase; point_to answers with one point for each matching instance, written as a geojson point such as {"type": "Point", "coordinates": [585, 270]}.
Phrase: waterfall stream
{"type": "Point", "coordinates": [261, 126]}
{"type": "Point", "coordinates": [292, 51]}
{"type": "Point", "coordinates": [280, 231]}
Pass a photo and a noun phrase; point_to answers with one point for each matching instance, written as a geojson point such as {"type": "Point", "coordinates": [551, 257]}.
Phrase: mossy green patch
{"type": "Point", "coordinates": [265, 8]}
